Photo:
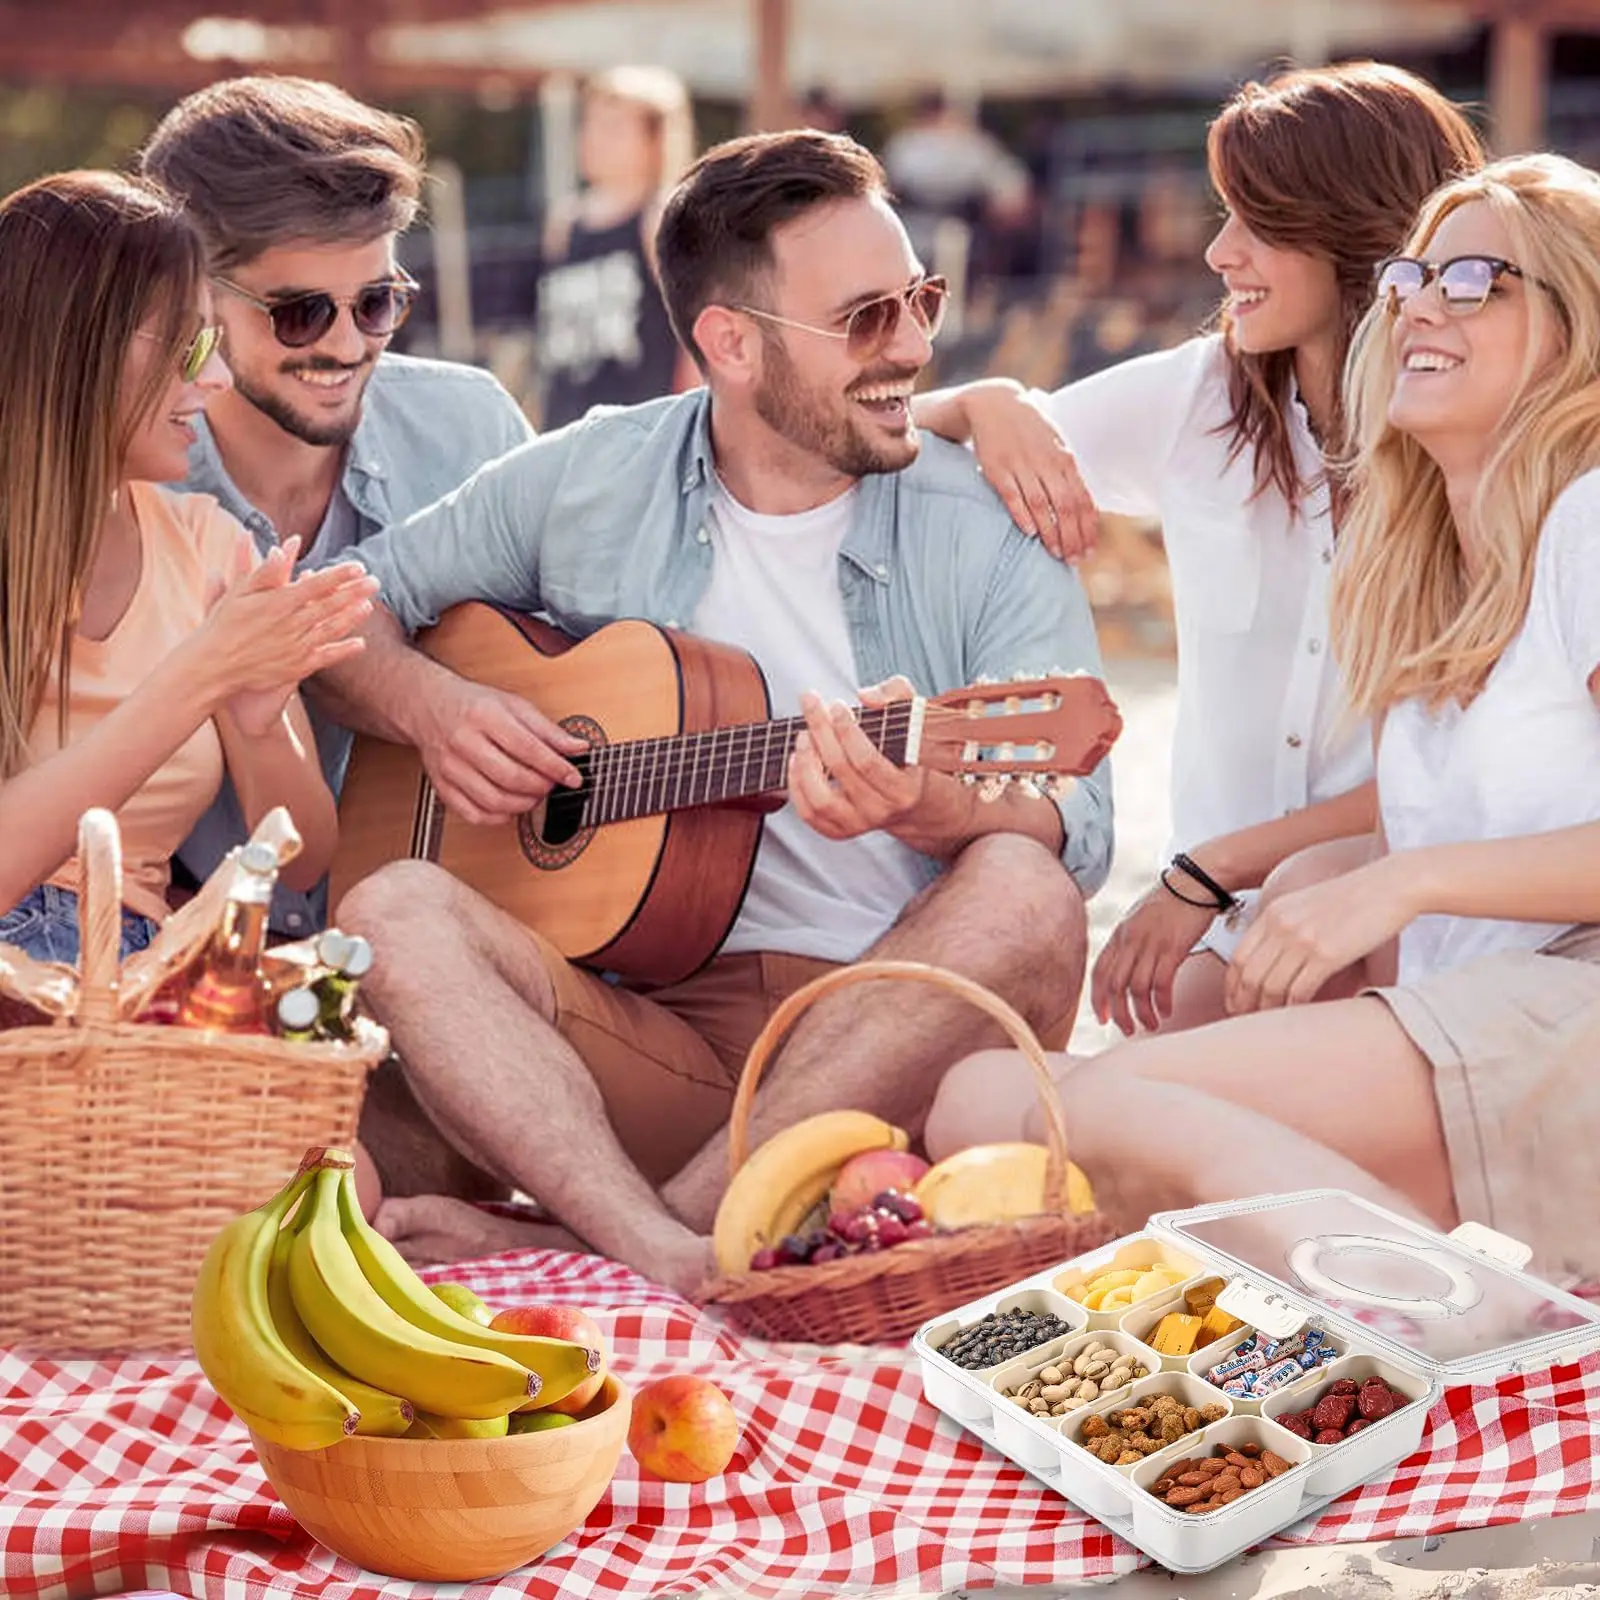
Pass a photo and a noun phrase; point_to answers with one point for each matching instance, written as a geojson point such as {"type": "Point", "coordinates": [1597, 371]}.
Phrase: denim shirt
{"type": "Point", "coordinates": [425, 426]}
{"type": "Point", "coordinates": [606, 519]}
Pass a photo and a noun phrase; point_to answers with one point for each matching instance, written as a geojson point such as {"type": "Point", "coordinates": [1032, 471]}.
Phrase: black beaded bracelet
{"type": "Point", "coordinates": [1224, 899]}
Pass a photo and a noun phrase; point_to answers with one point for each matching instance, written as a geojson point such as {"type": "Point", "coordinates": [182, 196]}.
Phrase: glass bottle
{"type": "Point", "coordinates": [228, 991]}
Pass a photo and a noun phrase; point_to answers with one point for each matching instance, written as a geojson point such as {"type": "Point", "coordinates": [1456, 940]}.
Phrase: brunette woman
{"type": "Point", "coordinates": [1321, 173]}
{"type": "Point", "coordinates": [142, 647]}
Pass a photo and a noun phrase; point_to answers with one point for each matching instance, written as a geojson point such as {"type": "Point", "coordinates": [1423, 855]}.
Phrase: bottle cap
{"type": "Point", "coordinates": [333, 948]}
{"type": "Point", "coordinates": [260, 859]}
{"type": "Point", "coordinates": [297, 1010]}
{"type": "Point", "coordinates": [358, 963]}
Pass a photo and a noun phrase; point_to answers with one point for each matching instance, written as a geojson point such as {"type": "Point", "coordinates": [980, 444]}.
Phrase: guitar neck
{"type": "Point", "coordinates": [647, 777]}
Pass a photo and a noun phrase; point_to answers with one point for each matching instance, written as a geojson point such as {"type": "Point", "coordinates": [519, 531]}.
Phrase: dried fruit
{"type": "Point", "coordinates": [1328, 1436]}
{"type": "Point", "coordinates": [1333, 1411]}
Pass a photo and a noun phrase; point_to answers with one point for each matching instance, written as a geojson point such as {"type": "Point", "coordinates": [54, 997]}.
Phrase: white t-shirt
{"type": "Point", "coordinates": [774, 591]}
{"type": "Point", "coordinates": [1262, 726]}
{"type": "Point", "coordinates": [1523, 757]}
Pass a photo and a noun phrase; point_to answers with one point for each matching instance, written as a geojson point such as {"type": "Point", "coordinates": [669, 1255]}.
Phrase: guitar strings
{"type": "Point", "coordinates": [633, 778]}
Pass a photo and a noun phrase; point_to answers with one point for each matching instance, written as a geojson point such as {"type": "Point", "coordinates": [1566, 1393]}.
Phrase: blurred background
{"type": "Point", "coordinates": [1048, 154]}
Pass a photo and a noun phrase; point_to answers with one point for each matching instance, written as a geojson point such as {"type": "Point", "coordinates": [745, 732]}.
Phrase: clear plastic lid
{"type": "Point", "coordinates": [1444, 1305]}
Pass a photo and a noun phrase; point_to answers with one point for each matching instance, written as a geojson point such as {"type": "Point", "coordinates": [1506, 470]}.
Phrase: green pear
{"type": "Point", "coordinates": [463, 1301]}
{"type": "Point", "coordinates": [428, 1426]}
{"type": "Point", "coordinates": [540, 1421]}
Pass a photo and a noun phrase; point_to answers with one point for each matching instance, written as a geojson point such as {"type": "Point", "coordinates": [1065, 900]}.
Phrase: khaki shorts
{"type": "Point", "coordinates": [1514, 1042]}
{"type": "Point", "coordinates": [667, 1063]}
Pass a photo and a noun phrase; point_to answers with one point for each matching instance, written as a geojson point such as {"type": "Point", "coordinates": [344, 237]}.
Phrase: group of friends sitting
{"type": "Point", "coordinates": [1372, 959]}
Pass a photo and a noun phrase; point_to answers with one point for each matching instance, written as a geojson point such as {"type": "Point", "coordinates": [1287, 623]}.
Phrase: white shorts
{"type": "Point", "coordinates": [1229, 927]}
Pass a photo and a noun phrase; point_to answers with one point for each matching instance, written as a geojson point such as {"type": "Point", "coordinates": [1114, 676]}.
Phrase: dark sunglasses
{"type": "Point", "coordinates": [377, 309]}
{"type": "Point", "coordinates": [871, 327]}
{"type": "Point", "coordinates": [1465, 282]}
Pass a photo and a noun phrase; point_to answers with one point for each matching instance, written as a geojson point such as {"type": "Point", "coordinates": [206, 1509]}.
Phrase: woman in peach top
{"type": "Point", "coordinates": [142, 647]}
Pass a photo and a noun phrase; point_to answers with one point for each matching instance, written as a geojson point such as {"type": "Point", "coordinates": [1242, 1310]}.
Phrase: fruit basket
{"type": "Point", "coordinates": [887, 1294]}
{"type": "Point", "coordinates": [126, 1146]}
{"type": "Point", "coordinates": [1379, 1315]}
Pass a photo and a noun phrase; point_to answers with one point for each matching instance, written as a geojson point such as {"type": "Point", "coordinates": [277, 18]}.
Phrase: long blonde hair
{"type": "Point", "coordinates": [1409, 619]}
{"type": "Point", "coordinates": [85, 258]}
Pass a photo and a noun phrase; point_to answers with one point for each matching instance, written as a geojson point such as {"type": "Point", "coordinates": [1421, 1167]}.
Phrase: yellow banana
{"type": "Point", "coordinates": [559, 1365]}
{"type": "Point", "coordinates": [362, 1333]}
{"type": "Point", "coordinates": [772, 1192]}
{"type": "Point", "coordinates": [239, 1347]}
{"type": "Point", "coordinates": [382, 1415]}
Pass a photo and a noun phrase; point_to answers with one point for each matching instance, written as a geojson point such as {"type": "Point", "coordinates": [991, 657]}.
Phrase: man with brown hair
{"type": "Point", "coordinates": [788, 508]}
{"type": "Point", "coordinates": [301, 193]}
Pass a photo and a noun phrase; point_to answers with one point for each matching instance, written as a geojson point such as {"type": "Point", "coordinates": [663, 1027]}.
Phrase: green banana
{"type": "Point", "coordinates": [559, 1364]}
{"type": "Point", "coordinates": [383, 1415]}
{"type": "Point", "coordinates": [239, 1348]}
{"type": "Point", "coordinates": [359, 1330]}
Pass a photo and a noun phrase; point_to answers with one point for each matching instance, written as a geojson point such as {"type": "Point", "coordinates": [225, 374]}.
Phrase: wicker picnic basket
{"type": "Point", "coordinates": [126, 1146]}
{"type": "Point", "coordinates": [888, 1294]}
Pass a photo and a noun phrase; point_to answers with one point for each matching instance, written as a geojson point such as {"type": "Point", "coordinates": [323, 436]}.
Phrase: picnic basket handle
{"type": "Point", "coordinates": [1021, 1035]}
{"type": "Point", "coordinates": [99, 916]}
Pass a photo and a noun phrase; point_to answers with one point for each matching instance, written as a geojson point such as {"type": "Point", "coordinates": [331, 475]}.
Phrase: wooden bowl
{"type": "Point", "coordinates": [448, 1510]}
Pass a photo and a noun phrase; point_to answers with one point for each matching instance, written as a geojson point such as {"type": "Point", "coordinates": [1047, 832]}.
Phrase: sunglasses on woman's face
{"type": "Point", "coordinates": [298, 320]}
{"type": "Point", "coordinates": [196, 353]}
{"type": "Point", "coordinates": [870, 328]}
{"type": "Point", "coordinates": [1465, 282]}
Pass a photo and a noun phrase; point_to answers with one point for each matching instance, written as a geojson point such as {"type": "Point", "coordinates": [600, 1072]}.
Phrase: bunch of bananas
{"type": "Point", "coordinates": [788, 1178]}
{"type": "Point", "coordinates": [311, 1326]}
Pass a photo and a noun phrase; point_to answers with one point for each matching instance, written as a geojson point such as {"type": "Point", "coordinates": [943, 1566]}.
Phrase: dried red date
{"type": "Point", "coordinates": [1357, 1425]}
{"type": "Point", "coordinates": [1375, 1400]}
{"type": "Point", "coordinates": [1296, 1423]}
{"type": "Point", "coordinates": [1333, 1411]}
{"type": "Point", "coordinates": [1343, 1386]}
{"type": "Point", "coordinates": [1328, 1436]}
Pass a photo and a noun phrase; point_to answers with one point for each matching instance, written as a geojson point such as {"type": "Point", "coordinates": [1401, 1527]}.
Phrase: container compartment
{"type": "Point", "coordinates": [1138, 1255]}
{"type": "Point", "coordinates": [1202, 1361]}
{"type": "Point", "coordinates": [1336, 1468]}
{"type": "Point", "coordinates": [1192, 1541]}
{"type": "Point", "coordinates": [1042, 1301]}
{"type": "Point", "coordinates": [1141, 1321]}
{"type": "Point", "coordinates": [942, 1381]}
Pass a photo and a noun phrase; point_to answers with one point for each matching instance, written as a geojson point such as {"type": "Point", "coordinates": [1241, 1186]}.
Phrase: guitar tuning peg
{"type": "Point", "coordinates": [1059, 785]}
{"type": "Point", "coordinates": [993, 786]}
{"type": "Point", "coordinates": [1030, 787]}
{"type": "Point", "coordinates": [969, 778]}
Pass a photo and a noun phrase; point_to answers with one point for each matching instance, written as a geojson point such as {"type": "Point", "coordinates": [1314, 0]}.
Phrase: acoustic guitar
{"type": "Point", "coordinates": [643, 868]}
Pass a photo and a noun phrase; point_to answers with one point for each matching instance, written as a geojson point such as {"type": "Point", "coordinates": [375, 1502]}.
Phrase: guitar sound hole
{"type": "Point", "coordinates": [563, 818]}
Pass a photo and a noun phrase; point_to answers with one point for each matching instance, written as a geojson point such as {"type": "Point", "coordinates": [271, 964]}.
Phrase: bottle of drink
{"type": "Point", "coordinates": [348, 958]}
{"type": "Point", "coordinates": [298, 1012]}
{"type": "Point", "coordinates": [228, 991]}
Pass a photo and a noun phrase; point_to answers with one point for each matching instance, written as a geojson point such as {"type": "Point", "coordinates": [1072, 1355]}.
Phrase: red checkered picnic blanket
{"type": "Point", "coordinates": [133, 1476]}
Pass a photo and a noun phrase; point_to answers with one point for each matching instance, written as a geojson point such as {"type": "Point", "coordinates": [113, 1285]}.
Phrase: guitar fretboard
{"type": "Point", "coordinates": [646, 777]}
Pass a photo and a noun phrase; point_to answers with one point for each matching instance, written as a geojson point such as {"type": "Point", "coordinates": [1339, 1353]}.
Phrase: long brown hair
{"type": "Point", "coordinates": [1333, 162]}
{"type": "Point", "coordinates": [85, 259]}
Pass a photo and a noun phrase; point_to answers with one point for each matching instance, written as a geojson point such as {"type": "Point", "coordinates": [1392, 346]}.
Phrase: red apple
{"type": "Point", "coordinates": [862, 1178]}
{"type": "Point", "coordinates": [683, 1429]}
{"type": "Point", "coordinates": [559, 1322]}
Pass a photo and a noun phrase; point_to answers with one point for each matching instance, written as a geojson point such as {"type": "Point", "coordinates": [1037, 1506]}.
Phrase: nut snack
{"type": "Point", "coordinates": [1096, 1370]}
{"type": "Point", "coordinates": [1123, 1438]}
{"type": "Point", "coordinates": [1000, 1336]}
{"type": "Point", "coordinates": [1208, 1483]}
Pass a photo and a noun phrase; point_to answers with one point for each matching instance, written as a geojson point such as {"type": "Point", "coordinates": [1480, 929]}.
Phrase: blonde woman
{"type": "Point", "coordinates": [603, 337]}
{"type": "Point", "coordinates": [142, 647]}
{"type": "Point", "coordinates": [1467, 616]}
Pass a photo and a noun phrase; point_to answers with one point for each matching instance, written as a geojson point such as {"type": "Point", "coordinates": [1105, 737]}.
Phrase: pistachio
{"type": "Point", "coordinates": [1083, 1363]}
{"type": "Point", "coordinates": [1051, 1375]}
{"type": "Point", "coordinates": [1088, 1390]}
{"type": "Point", "coordinates": [1030, 1389]}
{"type": "Point", "coordinates": [1095, 1369]}
{"type": "Point", "coordinates": [1039, 1407]}
{"type": "Point", "coordinates": [1056, 1391]}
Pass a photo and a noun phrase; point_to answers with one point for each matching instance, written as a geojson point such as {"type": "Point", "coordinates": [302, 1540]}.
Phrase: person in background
{"type": "Point", "coordinates": [1225, 439]}
{"type": "Point", "coordinates": [603, 336]}
{"type": "Point", "coordinates": [1466, 617]}
{"type": "Point", "coordinates": [300, 194]}
{"type": "Point", "coordinates": [144, 646]}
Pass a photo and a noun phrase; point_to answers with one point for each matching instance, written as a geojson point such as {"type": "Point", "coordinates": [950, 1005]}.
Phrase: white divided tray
{"type": "Point", "coordinates": [1394, 1299]}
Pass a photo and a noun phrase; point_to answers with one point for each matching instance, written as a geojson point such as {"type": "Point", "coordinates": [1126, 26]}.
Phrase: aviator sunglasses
{"type": "Point", "coordinates": [1465, 282]}
{"type": "Point", "coordinates": [196, 353]}
{"type": "Point", "coordinates": [871, 327]}
{"type": "Point", "coordinates": [377, 309]}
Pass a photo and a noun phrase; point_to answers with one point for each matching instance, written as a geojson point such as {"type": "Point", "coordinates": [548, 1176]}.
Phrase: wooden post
{"type": "Point", "coordinates": [770, 106]}
{"type": "Point", "coordinates": [1518, 67]}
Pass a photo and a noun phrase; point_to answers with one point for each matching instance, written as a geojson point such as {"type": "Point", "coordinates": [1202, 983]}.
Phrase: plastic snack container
{"type": "Point", "coordinates": [1395, 1299]}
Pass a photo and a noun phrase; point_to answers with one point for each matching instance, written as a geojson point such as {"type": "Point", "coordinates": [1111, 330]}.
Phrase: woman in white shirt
{"type": "Point", "coordinates": [1322, 173]}
{"type": "Point", "coordinates": [1466, 612]}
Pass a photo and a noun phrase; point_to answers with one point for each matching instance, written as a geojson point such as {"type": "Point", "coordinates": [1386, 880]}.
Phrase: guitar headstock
{"type": "Point", "coordinates": [1040, 732]}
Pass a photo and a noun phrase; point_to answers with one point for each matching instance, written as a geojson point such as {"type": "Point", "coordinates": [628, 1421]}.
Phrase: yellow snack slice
{"type": "Point", "coordinates": [1201, 1296]}
{"type": "Point", "coordinates": [1217, 1324]}
{"type": "Point", "coordinates": [1175, 1334]}
{"type": "Point", "coordinates": [1102, 1281]}
{"type": "Point", "coordinates": [1117, 1299]}
{"type": "Point", "coordinates": [1152, 1282]}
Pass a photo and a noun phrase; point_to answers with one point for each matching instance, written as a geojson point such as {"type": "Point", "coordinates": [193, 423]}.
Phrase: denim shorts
{"type": "Point", "coordinates": [45, 925]}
